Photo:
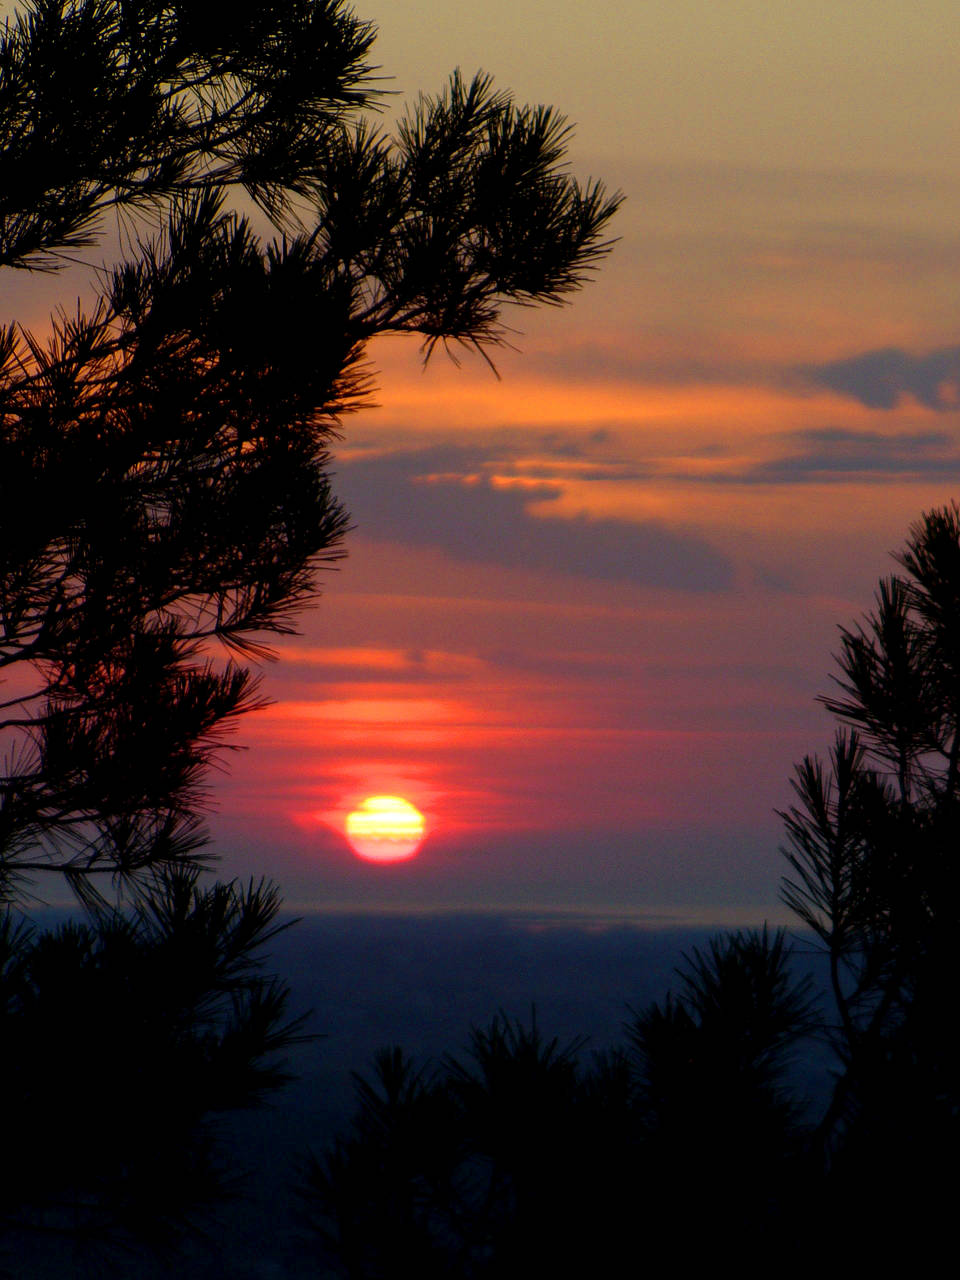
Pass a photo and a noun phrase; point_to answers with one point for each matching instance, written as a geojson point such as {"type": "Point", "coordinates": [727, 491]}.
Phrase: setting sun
{"type": "Point", "coordinates": [385, 829]}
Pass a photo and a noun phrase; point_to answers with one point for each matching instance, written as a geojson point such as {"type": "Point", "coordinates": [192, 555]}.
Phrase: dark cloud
{"type": "Point", "coordinates": [501, 446]}
{"type": "Point", "coordinates": [881, 379]}
{"type": "Point", "coordinates": [445, 497]}
{"type": "Point", "coordinates": [837, 454]}
{"type": "Point", "coordinates": [560, 445]}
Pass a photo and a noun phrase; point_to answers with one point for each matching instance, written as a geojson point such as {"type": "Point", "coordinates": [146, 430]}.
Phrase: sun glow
{"type": "Point", "coordinates": [385, 829]}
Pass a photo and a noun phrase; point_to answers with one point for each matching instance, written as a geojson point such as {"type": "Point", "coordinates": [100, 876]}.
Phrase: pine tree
{"type": "Point", "coordinates": [163, 458]}
{"type": "Point", "coordinates": [164, 498]}
{"type": "Point", "coordinates": [874, 876]}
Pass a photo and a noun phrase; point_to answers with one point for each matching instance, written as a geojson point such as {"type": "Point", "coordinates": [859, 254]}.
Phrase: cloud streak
{"type": "Point", "coordinates": [835, 454]}
{"type": "Point", "coordinates": [445, 497]}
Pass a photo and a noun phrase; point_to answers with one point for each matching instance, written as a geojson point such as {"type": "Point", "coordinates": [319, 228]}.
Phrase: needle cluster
{"type": "Point", "coordinates": [164, 495]}
{"type": "Point", "coordinates": [166, 506]}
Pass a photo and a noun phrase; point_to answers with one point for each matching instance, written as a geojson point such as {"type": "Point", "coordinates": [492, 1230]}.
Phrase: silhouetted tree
{"type": "Point", "coordinates": [520, 1159]}
{"type": "Point", "coordinates": [382, 1198]}
{"type": "Point", "coordinates": [512, 1160]}
{"type": "Point", "coordinates": [875, 876]}
{"type": "Point", "coordinates": [122, 1038]}
{"type": "Point", "coordinates": [872, 850]}
{"type": "Point", "coordinates": [710, 1070]}
{"type": "Point", "coordinates": [163, 477]}
{"type": "Point", "coordinates": [163, 458]}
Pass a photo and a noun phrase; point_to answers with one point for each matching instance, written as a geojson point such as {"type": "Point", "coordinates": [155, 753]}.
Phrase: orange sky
{"type": "Point", "coordinates": [588, 607]}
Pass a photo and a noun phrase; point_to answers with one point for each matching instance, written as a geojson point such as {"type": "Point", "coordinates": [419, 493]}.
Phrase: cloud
{"type": "Point", "coordinates": [837, 455]}
{"type": "Point", "coordinates": [502, 447]}
{"type": "Point", "coordinates": [881, 379]}
{"type": "Point", "coordinates": [834, 453]}
{"type": "Point", "coordinates": [365, 665]}
{"type": "Point", "coordinates": [445, 497]}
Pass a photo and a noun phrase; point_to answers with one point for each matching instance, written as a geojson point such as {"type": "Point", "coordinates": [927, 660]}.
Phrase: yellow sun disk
{"type": "Point", "coordinates": [385, 829]}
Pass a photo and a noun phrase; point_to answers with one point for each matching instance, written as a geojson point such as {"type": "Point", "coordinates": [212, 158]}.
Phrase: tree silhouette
{"type": "Point", "coordinates": [124, 1037]}
{"type": "Point", "coordinates": [710, 1075]}
{"type": "Point", "coordinates": [107, 105]}
{"type": "Point", "coordinates": [874, 876]}
{"type": "Point", "coordinates": [163, 458]}
{"type": "Point", "coordinates": [509, 1160]}
{"type": "Point", "coordinates": [873, 879]}
{"type": "Point", "coordinates": [164, 500]}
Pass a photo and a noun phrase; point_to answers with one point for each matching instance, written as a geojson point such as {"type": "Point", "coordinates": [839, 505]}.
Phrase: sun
{"type": "Point", "coordinates": [385, 829]}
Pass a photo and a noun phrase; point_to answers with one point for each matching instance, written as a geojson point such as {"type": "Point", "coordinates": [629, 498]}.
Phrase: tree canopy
{"type": "Point", "coordinates": [874, 875]}
{"type": "Point", "coordinates": [165, 509]}
{"type": "Point", "coordinates": [164, 454]}
{"type": "Point", "coordinates": [125, 1036]}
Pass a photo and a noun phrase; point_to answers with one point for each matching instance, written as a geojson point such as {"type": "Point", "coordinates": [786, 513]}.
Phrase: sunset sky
{"type": "Point", "coordinates": [587, 608]}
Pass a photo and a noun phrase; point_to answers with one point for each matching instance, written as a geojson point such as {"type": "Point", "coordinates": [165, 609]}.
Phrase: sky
{"type": "Point", "coordinates": [588, 607]}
